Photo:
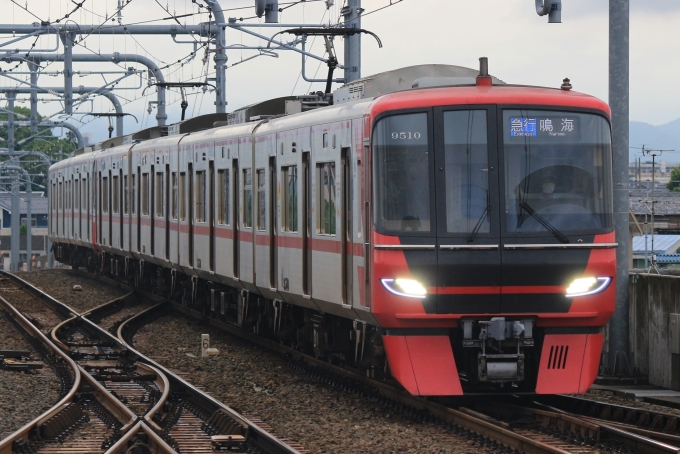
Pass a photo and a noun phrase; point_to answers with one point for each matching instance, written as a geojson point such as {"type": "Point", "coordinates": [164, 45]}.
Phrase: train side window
{"type": "Point", "coordinates": [175, 194]}
{"type": "Point", "coordinates": [145, 194]}
{"type": "Point", "coordinates": [325, 177]}
{"type": "Point", "coordinates": [223, 196]}
{"type": "Point", "coordinates": [261, 201]}
{"type": "Point", "coordinates": [105, 194]}
{"type": "Point", "coordinates": [159, 194]}
{"type": "Point", "coordinates": [183, 196]}
{"type": "Point", "coordinates": [289, 210]}
{"type": "Point", "coordinates": [247, 198]}
{"type": "Point", "coordinates": [126, 195]}
{"type": "Point", "coordinates": [114, 194]}
{"type": "Point", "coordinates": [199, 196]}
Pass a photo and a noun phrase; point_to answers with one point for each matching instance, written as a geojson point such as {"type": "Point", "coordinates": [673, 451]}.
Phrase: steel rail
{"type": "Point", "coordinates": [23, 432]}
{"type": "Point", "coordinates": [256, 434]}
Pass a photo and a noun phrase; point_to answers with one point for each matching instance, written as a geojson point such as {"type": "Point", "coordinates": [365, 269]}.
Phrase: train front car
{"type": "Point", "coordinates": [493, 249]}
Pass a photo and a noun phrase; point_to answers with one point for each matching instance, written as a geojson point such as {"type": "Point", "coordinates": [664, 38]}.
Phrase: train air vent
{"type": "Point", "coordinates": [558, 357]}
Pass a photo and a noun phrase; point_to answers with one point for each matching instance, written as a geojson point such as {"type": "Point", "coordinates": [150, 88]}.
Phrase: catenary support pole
{"type": "Point", "coordinates": [67, 39]}
{"type": "Point", "coordinates": [33, 67]}
{"type": "Point", "coordinates": [29, 239]}
{"type": "Point", "coordinates": [220, 58]}
{"type": "Point", "coordinates": [619, 25]}
{"type": "Point", "coordinates": [352, 15]}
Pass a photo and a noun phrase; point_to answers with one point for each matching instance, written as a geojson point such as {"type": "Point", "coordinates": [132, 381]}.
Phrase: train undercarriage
{"type": "Point", "coordinates": [493, 355]}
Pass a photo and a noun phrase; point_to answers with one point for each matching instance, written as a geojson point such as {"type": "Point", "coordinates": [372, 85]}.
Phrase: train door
{"type": "Point", "coordinates": [306, 224]}
{"type": "Point", "coordinates": [346, 233]}
{"type": "Point", "coordinates": [190, 217]}
{"type": "Point", "coordinates": [272, 222]}
{"type": "Point", "coordinates": [211, 214]}
{"type": "Point", "coordinates": [169, 203]}
{"type": "Point", "coordinates": [222, 236]}
{"type": "Point", "coordinates": [152, 210]}
{"type": "Point", "coordinates": [235, 217]}
{"type": "Point", "coordinates": [468, 232]}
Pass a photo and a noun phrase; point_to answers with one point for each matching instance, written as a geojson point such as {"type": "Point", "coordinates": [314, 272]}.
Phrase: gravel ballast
{"type": "Point", "coordinates": [23, 397]}
{"type": "Point", "coordinates": [322, 418]}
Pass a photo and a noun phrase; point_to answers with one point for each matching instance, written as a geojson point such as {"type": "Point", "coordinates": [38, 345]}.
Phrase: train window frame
{"type": "Point", "coordinates": [261, 200]}
{"type": "Point", "coordinates": [501, 108]}
{"type": "Point", "coordinates": [223, 177]}
{"type": "Point", "coordinates": [159, 190]}
{"type": "Point", "coordinates": [326, 207]}
{"type": "Point", "coordinates": [199, 196]}
{"type": "Point", "coordinates": [144, 188]}
{"type": "Point", "coordinates": [76, 195]}
{"type": "Point", "coordinates": [133, 187]}
{"type": "Point", "coordinates": [247, 203]}
{"type": "Point", "coordinates": [289, 199]}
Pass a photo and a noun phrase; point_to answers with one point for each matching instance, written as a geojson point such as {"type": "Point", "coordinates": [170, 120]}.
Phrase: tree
{"type": "Point", "coordinates": [674, 183]}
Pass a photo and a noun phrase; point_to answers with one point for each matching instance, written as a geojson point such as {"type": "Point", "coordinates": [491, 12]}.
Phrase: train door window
{"type": "Point", "coordinates": [133, 187]}
{"type": "Point", "coordinates": [83, 193]}
{"type": "Point", "coordinates": [261, 200]}
{"type": "Point", "coordinates": [61, 195]}
{"type": "Point", "coordinates": [54, 196]}
{"type": "Point", "coordinates": [159, 194]}
{"type": "Point", "coordinates": [466, 171]}
{"type": "Point", "coordinates": [105, 194]}
{"type": "Point", "coordinates": [115, 195]}
{"type": "Point", "coordinates": [289, 218]}
{"type": "Point", "coordinates": [223, 196]}
{"type": "Point", "coordinates": [183, 196]}
{"type": "Point", "coordinates": [247, 205]}
{"type": "Point", "coordinates": [76, 196]}
{"type": "Point", "coordinates": [325, 222]}
{"type": "Point", "coordinates": [175, 194]}
{"type": "Point", "coordinates": [199, 196]}
{"type": "Point", "coordinates": [126, 195]}
{"type": "Point", "coordinates": [145, 194]}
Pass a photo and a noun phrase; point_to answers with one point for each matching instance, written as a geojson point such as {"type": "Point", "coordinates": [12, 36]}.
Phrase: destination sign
{"type": "Point", "coordinates": [562, 126]}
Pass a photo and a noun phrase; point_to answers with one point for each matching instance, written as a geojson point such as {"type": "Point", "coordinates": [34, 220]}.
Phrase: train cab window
{"type": "Point", "coordinates": [466, 171]}
{"type": "Point", "coordinates": [289, 200]}
{"type": "Point", "coordinates": [159, 194]}
{"type": "Point", "coordinates": [145, 194]}
{"type": "Point", "coordinates": [261, 201]}
{"type": "Point", "coordinates": [126, 195]}
{"type": "Point", "coordinates": [247, 205]}
{"type": "Point", "coordinates": [325, 177]}
{"type": "Point", "coordinates": [401, 173]}
{"type": "Point", "coordinates": [115, 196]}
{"type": "Point", "coordinates": [105, 195]}
{"type": "Point", "coordinates": [223, 196]}
{"type": "Point", "coordinates": [557, 171]}
{"type": "Point", "coordinates": [199, 197]}
{"type": "Point", "coordinates": [183, 196]}
{"type": "Point", "coordinates": [175, 194]}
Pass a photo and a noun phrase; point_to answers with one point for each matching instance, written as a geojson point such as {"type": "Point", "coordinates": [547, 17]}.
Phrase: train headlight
{"type": "Point", "coordinates": [587, 286]}
{"type": "Point", "coordinates": [409, 288]}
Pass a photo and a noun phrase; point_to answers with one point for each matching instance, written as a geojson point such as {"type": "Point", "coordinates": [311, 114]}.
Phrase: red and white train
{"type": "Point", "coordinates": [457, 234]}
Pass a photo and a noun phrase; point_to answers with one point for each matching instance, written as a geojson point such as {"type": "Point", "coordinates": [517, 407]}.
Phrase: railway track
{"type": "Point", "coordinates": [118, 400]}
{"type": "Point", "coordinates": [517, 428]}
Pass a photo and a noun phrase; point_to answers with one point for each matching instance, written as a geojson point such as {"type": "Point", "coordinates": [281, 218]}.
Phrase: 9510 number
{"type": "Point", "coordinates": [405, 135]}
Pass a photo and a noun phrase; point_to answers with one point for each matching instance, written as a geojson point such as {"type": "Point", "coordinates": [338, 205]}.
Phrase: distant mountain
{"type": "Point", "coordinates": [661, 137]}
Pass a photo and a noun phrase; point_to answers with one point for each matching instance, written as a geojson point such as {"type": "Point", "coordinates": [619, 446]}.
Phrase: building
{"type": "Point", "coordinates": [664, 245]}
{"type": "Point", "coordinates": [39, 212]}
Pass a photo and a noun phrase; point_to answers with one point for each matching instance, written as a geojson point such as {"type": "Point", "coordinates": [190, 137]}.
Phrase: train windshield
{"type": "Point", "coordinates": [557, 175]}
{"type": "Point", "coordinates": [402, 173]}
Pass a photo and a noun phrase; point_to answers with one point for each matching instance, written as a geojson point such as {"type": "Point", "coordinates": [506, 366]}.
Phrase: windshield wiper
{"type": "Point", "coordinates": [480, 222]}
{"type": "Point", "coordinates": [559, 235]}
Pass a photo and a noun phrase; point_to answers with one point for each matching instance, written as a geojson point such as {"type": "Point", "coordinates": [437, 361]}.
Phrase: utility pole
{"type": "Point", "coordinates": [352, 15]}
{"type": "Point", "coordinates": [653, 154]}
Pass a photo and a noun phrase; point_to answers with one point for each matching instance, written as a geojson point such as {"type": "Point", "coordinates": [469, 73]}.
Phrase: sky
{"type": "Point", "coordinates": [522, 48]}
